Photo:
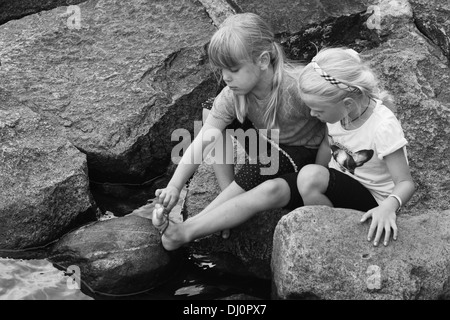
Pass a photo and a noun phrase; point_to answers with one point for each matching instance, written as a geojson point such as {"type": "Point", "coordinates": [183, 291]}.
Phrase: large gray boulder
{"type": "Point", "coordinates": [119, 84]}
{"type": "Point", "coordinates": [119, 256]}
{"type": "Point", "coordinates": [323, 253]}
{"type": "Point", "coordinates": [44, 184]}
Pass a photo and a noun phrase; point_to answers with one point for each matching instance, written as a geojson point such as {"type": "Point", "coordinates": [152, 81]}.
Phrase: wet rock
{"type": "Point", "coordinates": [118, 82]}
{"type": "Point", "coordinates": [323, 253]}
{"type": "Point", "coordinates": [119, 256]}
{"type": "Point", "coordinates": [44, 185]}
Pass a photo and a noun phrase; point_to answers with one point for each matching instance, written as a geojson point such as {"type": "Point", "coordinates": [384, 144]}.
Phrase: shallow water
{"type": "Point", "coordinates": [199, 278]}
{"type": "Point", "coordinates": [35, 279]}
{"type": "Point", "coordinates": [39, 279]}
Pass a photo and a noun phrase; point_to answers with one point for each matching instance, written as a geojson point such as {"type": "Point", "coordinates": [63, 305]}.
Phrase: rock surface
{"type": "Point", "coordinates": [322, 253]}
{"type": "Point", "coordinates": [292, 17]}
{"type": "Point", "coordinates": [44, 184]}
{"type": "Point", "coordinates": [218, 10]}
{"type": "Point", "coordinates": [418, 76]}
{"type": "Point", "coordinates": [118, 85]}
{"type": "Point", "coordinates": [14, 9]}
{"type": "Point", "coordinates": [117, 257]}
{"type": "Point", "coordinates": [431, 18]}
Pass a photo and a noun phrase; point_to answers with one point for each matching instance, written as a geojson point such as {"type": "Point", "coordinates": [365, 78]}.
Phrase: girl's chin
{"type": "Point", "coordinates": [239, 92]}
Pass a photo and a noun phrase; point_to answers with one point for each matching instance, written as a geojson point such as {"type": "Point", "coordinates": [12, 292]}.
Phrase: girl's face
{"type": "Point", "coordinates": [326, 111]}
{"type": "Point", "coordinates": [242, 79]}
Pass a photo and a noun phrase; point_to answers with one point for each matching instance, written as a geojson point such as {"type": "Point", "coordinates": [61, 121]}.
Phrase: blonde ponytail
{"type": "Point", "coordinates": [277, 60]}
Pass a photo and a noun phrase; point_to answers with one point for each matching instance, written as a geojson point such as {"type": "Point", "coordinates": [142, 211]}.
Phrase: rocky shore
{"type": "Point", "coordinates": [91, 91]}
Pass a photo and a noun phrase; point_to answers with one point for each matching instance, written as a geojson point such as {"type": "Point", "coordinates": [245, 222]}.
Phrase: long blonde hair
{"type": "Point", "coordinates": [241, 38]}
{"type": "Point", "coordinates": [337, 73]}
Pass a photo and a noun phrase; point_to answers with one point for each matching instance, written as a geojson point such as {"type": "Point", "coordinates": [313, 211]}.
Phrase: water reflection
{"type": "Point", "coordinates": [35, 280]}
{"type": "Point", "coordinates": [200, 279]}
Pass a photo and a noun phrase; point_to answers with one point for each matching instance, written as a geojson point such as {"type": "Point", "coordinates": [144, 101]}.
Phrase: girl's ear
{"type": "Point", "coordinates": [264, 60]}
{"type": "Point", "coordinates": [349, 102]}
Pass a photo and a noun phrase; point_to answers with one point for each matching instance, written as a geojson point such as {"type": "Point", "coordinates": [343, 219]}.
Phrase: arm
{"type": "Point", "coordinates": [324, 153]}
{"type": "Point", "coordinates": [383, 216]}
{"type": "Point", "coordinates": [192, 158]}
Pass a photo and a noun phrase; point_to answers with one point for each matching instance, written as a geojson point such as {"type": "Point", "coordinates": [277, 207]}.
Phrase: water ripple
{"type": "Point", "coordinates": [35, 280]}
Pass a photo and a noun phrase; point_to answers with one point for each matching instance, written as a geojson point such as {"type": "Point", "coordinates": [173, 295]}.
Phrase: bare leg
{"type": "Point", "coordinates": [230, 192]}
{"type": "Point", "coordinates": [312, 182]}
{"type": "Point", "coordinates": [268, 195]}
{"type": "Point", "coordinates": [223, 165]}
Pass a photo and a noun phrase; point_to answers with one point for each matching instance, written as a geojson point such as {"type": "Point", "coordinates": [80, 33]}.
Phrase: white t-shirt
{"type": "Point", "coordinates": [360, 152]}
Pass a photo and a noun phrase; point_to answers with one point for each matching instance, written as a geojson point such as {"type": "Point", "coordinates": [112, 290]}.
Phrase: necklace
{"type": "Point", "coordinates": [353, 120]}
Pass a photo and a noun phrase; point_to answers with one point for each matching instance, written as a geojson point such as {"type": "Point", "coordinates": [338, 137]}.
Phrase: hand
{"type": "Point", "coordinates": [381, 220]}
{"type": "Point", "coordinates": [168, 197]}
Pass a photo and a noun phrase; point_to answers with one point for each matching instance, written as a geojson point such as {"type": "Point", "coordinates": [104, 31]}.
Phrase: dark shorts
{"type": "Point", "coordinates": [249, 174]}
{"type": "Point", "coordinates": [343, 191]}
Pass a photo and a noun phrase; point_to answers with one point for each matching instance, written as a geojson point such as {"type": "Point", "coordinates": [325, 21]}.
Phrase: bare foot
{"type": "Point", "coordinates": [169, 230]}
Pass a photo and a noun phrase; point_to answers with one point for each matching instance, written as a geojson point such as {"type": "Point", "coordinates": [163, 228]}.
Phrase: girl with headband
{"type": "Point", "coordinates": [368, 166]}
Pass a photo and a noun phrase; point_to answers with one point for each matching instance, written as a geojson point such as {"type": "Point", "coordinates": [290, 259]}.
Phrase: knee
{"type": "Point", "coordinates": [312, 178]}
{"type": "Point", "coordinates": [275, 189]}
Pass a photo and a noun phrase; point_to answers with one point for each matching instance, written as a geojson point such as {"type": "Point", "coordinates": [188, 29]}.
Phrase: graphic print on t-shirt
{"type": "Point", "coordinates": [349, 161]}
